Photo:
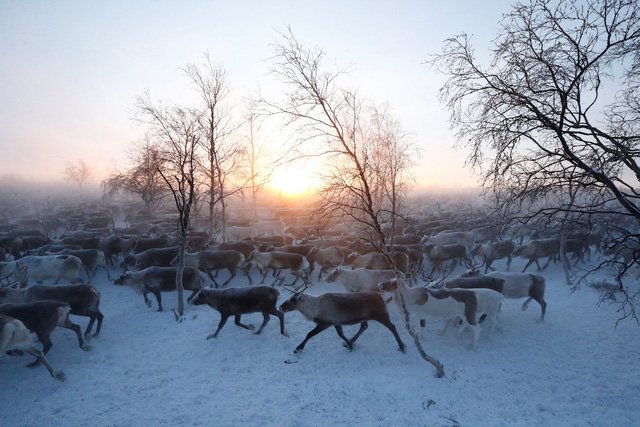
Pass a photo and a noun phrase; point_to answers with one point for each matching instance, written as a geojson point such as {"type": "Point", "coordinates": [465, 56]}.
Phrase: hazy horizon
{"type": "Point", "coordinates": [72, 70]}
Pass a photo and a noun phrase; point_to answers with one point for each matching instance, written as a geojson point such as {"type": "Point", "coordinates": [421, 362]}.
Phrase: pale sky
{"type": "Point", "coordinates": [70, 70]}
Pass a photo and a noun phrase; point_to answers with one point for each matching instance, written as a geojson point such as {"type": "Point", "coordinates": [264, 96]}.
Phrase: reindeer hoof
{"type": "Point", "coordinates": [211, 336]}
{"type": "Point", "coordinates": [148, 304]}
{"type": "Point", "coordinates": [60, 376]}
{"type": "Point", "coordinates": [250, 327]}
{"type": "Point", "coordinates": [349, 346]}
{"type": "Point", "coordinates": [297, 350]}
{"type": "Point", "coordinates": [86, 347]}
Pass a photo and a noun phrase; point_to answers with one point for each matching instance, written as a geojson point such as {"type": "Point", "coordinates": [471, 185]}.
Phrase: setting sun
{"type": "Point", "coordinates": [297, 179]}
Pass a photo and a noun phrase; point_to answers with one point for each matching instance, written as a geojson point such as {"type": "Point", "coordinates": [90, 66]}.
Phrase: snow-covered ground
{"type": "Point", "coordinates": [576, 368]}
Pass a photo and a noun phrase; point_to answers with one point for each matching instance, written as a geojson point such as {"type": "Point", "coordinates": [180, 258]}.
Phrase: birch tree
{"type": "Point", "coordinates": [339, 121]}
{"type": "Point", "coordinates": [178, 130]}
{"type": "Point", "coordinates": [555, 109]}
{"type": "Point", "coordinates": [79, 173]}
{"type": "Point", "coordinates": [221, 151]}
{"type": "Point", "coordinates": [142, 178]}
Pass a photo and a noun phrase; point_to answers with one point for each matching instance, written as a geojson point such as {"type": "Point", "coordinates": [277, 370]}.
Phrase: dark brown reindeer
{"type": "Point", "coordinates": [41, 318]}
{"type": "Point", "coordinates": [238, 301]}
{"type": "Point", "coordinates": [84, 300]}
{"type": "Point", "coordinates": [160, 279]}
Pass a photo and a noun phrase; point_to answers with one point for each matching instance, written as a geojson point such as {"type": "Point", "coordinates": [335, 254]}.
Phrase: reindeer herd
{"type": "Point", "coordinates": [67, 246]}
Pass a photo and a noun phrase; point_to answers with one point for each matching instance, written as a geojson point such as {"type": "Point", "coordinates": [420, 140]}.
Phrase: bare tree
{"type": "Point", "coordinates": [255, 182]}
{"type": "Point", "coordinates": [143, 178]}
{"type": "Point", "coordinates": [537, 119]}
{"type": "Point", "coordinates": [320, 109]}
{"type": "Point", "coordinates": [393, 154]}
{"type": "Point", "coordinates": [261, 158]}
{"type": "Point", "coordinates": [78, 173]}
{"type": "Point", "coordinates": [221, 152]}
{"type": "Point", "coordinates": [177, 129]}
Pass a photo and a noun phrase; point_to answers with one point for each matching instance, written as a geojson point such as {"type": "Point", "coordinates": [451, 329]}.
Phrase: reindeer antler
{"type": "Point", "coordinates": [5, 283]}
{"type": "Point", "coordinates": [305, 283]}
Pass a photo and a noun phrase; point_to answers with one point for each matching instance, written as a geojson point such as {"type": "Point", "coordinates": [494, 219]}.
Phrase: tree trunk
{"type": "Point", "coordinates": [224, 215]}
{"type": "Point", "coordinates": [416, 341]}
{"type": "Point", "coordinates": [179, 272]}
{"type": "Point", "coordinates": [223, 206]}
{"type": "Point", "coordinates": [212, 197]}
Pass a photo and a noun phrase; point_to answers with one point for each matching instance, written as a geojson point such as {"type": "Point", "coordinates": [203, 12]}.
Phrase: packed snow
{"type": "Point", "coordinates": [576, 368]}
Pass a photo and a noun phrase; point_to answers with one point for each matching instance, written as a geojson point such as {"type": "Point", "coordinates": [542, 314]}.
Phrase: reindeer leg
{"type": "Point", "coordinates": [248, 326]}
{"type": "Point", "coordinates": [349, 344]}
{"type": "Point", "coordinates": [538, 264]}
{"type": "Point", "coordinates": [100, 317]}
{"type": "Point", "coordinates": [89, 276]}
{"type": "Point", "coordinates": [279, 315]}
{"type": "Point", "coordinates": [215, 283]}
{"type": "Point", "coordinates": [384, 319]}
{"type": "Point", "coordinates": [488, 266]}
{"type": "Point", "coordinates": [315, 331]}
{"type": "Point", "coordinates": [107, 270]}
{"type": "Point", "coordinates": [156, 293]}
{"type": "Point", "coordinates": [223, 320]}
{"type": "Point", "coordinates": [68, 324]}
{"type": "Point", "coordinates": [531, 261]}
{"type": "Point", "coordinates": [92, 319]}
{"type": "Point", "coordinates": [211, 276]}
{"type": "Point", "coordinates": [266, 318]}
{"type": "Point", "coordinates": [446, 326]}
{"type": "Point", "coordinates": [37, 353]}
{"type": "Point", "coordinates": [476, 335]}
{"type": "Point", "coordinates": [146, 299]}
{"type": "Point", "coordinates": [46, 346]}
{"type": "Point", "coordinates": [248, 272]}
{"type": "Point", "coordinates": [363, 327]}
{"type": "Point", "coordinates": [423, 325]}
{"type": "Point", "coordinates": [233, 274]}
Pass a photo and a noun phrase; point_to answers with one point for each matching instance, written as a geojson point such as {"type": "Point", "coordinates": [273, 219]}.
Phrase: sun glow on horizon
{"type": "Point", "coordinates": [297, 179]}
